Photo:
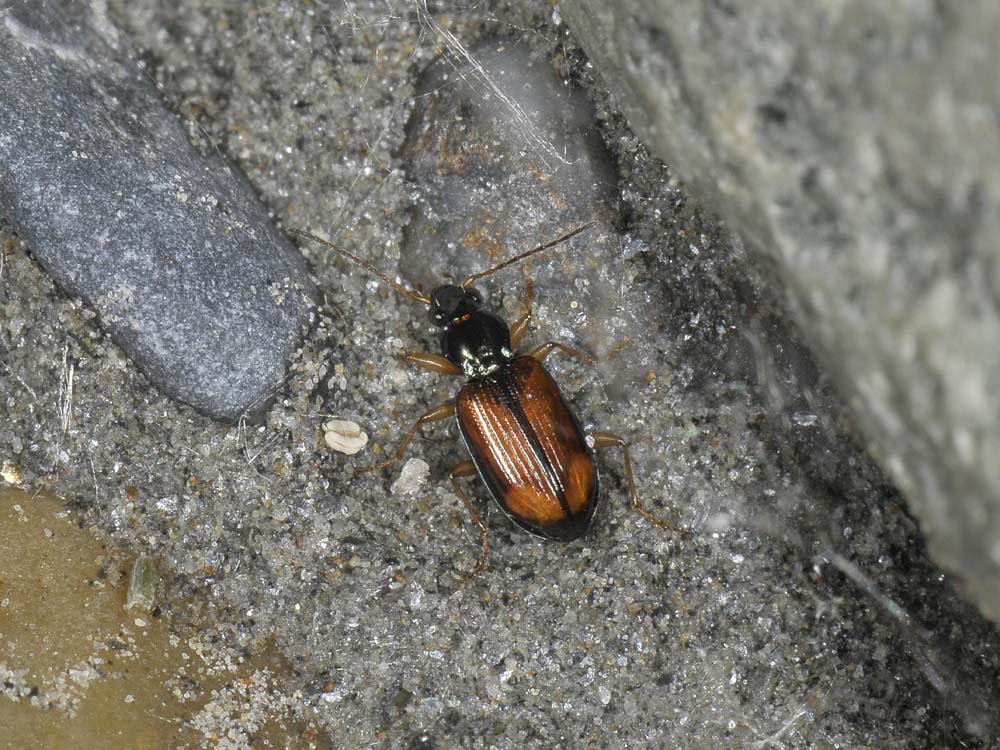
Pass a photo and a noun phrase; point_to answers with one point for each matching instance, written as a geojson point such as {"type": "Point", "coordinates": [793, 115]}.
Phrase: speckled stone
{"type": "Point", "coordinates": [855, 146]}
{"type": "Point", "coordinates": [169, 244]}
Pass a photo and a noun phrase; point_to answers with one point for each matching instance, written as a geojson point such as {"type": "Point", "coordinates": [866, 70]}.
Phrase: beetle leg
{"type": "Point", "coordinates": [433, 362]}
{"type": "Point", "coordinates": [542, 351]}
{"type": "Point", "coordinates": [468, 469]}
{"type": "Point", "coordinates": [439, 412]}
{"type": "Point", "coordinates": [609, 440]}
{"type": "Point", "coordinates": [521, 325]}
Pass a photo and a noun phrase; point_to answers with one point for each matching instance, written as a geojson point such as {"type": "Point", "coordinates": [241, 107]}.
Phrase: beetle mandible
{"type": "Point", "coordinates": [525, 442]}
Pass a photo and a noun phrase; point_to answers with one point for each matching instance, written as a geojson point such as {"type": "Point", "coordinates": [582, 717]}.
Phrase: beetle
{"type": "Point", "coordinates": [525, 443]}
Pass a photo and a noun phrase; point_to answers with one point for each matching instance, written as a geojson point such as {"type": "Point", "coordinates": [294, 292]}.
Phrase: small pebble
{"type": "Point", "coordinates": [10, 473]}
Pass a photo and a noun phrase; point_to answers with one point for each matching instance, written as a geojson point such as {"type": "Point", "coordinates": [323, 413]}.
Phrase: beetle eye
{"type": "Point", "coordinates": [475, 294]}
{"type": "Point", "coordinates": [437, 316]}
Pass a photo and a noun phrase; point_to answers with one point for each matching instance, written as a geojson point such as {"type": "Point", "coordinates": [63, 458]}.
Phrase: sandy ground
{"type": "Point", "coordinates": [802, 612]}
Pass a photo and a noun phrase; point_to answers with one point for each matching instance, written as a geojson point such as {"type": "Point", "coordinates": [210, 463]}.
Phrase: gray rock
{"type": "Point", "coordinates": [171, 246]}
{"type": "Point", "coordinates": [857, 148]}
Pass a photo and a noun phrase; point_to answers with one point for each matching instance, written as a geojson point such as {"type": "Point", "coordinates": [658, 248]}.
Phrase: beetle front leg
{"type": "Point", "coordinates": [521, 325]}
{"type": "Point", "coordinates": [468, 469]}
{"type": "Point", "coordinates": [544, 350]}
{"type": "Point", "coordinates": [609, 440]}
{"type": "Point", "coordinates": [439, 412]}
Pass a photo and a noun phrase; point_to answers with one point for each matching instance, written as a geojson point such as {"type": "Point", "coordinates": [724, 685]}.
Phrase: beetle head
{"type": "Point", "coordinates": [450, 302]}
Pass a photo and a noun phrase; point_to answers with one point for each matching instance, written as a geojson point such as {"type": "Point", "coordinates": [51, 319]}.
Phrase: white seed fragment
{"type": "Point", "coordinates": [344, 436]}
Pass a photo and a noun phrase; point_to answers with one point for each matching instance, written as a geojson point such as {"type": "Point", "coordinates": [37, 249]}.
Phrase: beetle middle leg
{"type": "Point", "coordinates": [610, 440]}
{"type": "Point", "coordinates": [468, 469]}
{"type": "Point", "coordinates": [433, 362]}
{"type": "Point", "coordinates": [439, 412]}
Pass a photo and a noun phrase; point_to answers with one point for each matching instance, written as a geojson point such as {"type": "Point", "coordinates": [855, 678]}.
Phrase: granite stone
{"type": "Point", "coordinates": [855, 148]}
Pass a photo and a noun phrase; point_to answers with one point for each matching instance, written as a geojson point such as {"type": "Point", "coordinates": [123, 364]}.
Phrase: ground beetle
{"type": "Point", "coordinates": [525, 443]}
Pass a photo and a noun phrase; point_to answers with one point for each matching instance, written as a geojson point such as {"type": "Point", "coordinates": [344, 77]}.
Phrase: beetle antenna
{"type": "Point", "coordinates": [411, 293]}
{"type": "Point", "coordinates": [527, 254]}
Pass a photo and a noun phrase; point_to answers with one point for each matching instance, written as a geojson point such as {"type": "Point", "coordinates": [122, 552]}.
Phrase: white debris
{"type": "Point", "coordinates": [411, 478]}
{"type": "Point", "coordinates": [344, 436]}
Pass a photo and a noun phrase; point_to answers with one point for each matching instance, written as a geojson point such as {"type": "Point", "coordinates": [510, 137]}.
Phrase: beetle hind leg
{"type": "Point", "coordinates": [610, 440]}
{"type": "Point", "coordinates": [468, 469]}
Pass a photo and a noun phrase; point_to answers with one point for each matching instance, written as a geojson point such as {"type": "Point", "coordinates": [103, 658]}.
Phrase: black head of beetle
{"type": "Point", "coordinates": [450, 302]}
{"type": "Point", "coordinates": [473, 338]}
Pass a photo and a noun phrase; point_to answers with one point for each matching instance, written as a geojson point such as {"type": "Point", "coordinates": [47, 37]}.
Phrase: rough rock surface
{"type": "Point", "coordinates": [170, 246]}
{"type": "Point", "coordinates": [857, 146]}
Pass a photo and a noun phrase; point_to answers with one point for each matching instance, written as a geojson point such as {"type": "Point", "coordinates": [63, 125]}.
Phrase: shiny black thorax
{"type": "Point", "coordinates": [473, 338]}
